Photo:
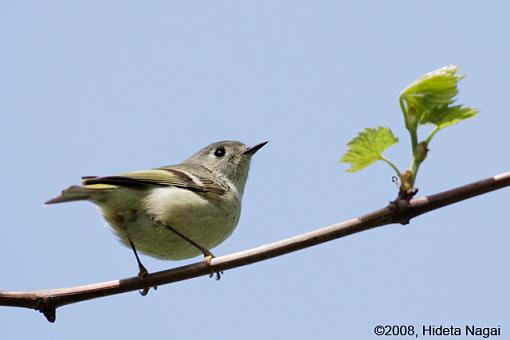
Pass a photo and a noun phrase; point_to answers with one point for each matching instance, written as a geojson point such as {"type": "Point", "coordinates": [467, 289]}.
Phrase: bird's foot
{"type": "Point", "coordinates": [142, 276]}
{"type": "Point", "coordinates": [208, 256]}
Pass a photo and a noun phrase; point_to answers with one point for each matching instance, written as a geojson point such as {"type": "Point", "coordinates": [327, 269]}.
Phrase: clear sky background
{"type": "Point", "coordinates": [97, 88]}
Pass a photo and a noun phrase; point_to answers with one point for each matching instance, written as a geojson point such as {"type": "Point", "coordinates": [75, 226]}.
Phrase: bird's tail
{"type": "Point", "coordinates": [73, 193]}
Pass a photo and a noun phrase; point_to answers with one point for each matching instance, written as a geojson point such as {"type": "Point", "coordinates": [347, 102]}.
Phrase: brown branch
{"type": "Point", "coordinates": [47, 301]}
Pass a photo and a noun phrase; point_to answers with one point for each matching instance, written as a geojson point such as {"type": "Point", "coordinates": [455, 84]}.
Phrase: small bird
{"type": "Point", "coordinates": [173, 212]}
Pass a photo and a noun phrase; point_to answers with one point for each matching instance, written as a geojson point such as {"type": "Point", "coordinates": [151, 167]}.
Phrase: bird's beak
{"type": "Point", "coordinates": [251, 150]}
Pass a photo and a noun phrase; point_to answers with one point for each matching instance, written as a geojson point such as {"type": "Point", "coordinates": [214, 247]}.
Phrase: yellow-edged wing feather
{"type": "Point", "coordinates": [174, 176]}
{"type": "Point", "coordinates": [165, 176]}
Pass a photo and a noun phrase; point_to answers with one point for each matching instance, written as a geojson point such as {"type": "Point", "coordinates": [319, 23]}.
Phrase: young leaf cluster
{"type": "Point", "coordinates": [428, 100]}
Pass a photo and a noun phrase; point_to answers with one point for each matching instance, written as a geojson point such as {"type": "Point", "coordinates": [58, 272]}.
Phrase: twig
{"type": "Point", "coordinates": [47, 301]}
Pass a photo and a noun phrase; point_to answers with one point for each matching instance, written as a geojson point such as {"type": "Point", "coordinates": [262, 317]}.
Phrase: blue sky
{"type": "Point", "coordinates": [97, 88]}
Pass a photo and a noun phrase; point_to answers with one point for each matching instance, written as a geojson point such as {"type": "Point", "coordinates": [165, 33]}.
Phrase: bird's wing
{"type": "Point", "coordinates": [161, 177]}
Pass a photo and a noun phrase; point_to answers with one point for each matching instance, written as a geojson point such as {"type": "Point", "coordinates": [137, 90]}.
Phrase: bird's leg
{"type": "Point", "coordinates": [208, 256]}
{"type": "Point", "coordinates": [142, 271]}
{"type": "Point", "coordinates": [142, 274]}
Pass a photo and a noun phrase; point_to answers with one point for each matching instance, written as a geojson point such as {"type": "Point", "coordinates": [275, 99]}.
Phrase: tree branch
{"type": "Point", "coordinates": [400, 211]}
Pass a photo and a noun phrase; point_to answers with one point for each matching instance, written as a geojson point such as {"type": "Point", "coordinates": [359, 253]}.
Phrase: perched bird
{"type": "Point", "coordinates": [173, 212]}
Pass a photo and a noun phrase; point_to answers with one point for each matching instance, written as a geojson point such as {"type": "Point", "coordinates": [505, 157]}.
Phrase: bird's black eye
{"type": "Point", "coordinates": [219, 152]}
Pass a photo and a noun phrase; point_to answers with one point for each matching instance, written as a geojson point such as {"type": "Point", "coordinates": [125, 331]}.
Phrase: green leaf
{"type": "Point", "coordinates": [438, 87]}
{"type": "Point", "coordinates": [445, 115]}
{"type": "Point", "coordinates": [367, 147]}
{"type": "Point", "coordinates": [432, 90]}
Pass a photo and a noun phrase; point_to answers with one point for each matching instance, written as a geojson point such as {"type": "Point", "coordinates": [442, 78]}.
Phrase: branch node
{"type": "Point", "coordinates": [402, 209]}
{"type": "Point", "coordinates": [45, 305]}
{"type": "Point", "coordinates": [407, 195]}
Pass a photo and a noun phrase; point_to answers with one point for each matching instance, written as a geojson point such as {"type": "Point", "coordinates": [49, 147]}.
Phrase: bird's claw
{"type": "Point", "coordinates": [217, 274]}
{"type": "Point", "coordinates": [142, 275]}
{"type": "Point", "coordinates": [207, 259]}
